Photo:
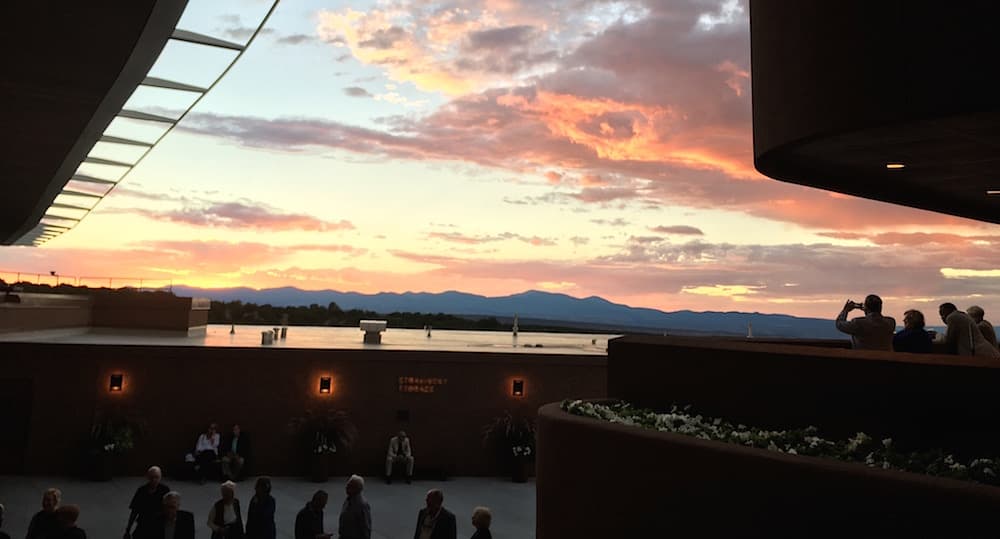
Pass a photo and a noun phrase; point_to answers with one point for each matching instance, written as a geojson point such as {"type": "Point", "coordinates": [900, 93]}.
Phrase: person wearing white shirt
{"type": "Point", "coordinates": [225, 519]}
{"type": "Point", "coordinates": [206, 452]}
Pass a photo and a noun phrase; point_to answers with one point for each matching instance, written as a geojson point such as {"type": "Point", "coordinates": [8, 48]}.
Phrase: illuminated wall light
{"type": "Point", "coordinates": [894, 166]}
{"type": "Point", "coordinates": [517, 388]}
{"type": "Point", "coordinates": [992, 192]}
{"type": "Point", "coordinates": [115, 385]}
{"type": "Point", "coordinates": [324, 385]}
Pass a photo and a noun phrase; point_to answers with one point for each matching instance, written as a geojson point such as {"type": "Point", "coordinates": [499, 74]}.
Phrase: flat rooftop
{"type": "Point", "coordinates": [313, 337]}
{"type": "Point", "coordinates": [104, 506]}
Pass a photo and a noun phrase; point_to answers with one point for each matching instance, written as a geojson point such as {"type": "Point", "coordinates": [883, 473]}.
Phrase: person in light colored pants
{"type": "Point", "coordinates": [399, 451]}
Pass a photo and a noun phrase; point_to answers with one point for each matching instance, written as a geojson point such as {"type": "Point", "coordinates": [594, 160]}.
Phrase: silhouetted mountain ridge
{"type": "Point", "coordinates": [593, 311]}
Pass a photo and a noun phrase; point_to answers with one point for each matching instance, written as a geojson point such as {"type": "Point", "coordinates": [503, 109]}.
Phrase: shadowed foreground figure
{"type": "Point", "coordinates": [356, 514]}
{"type": "Point", "coordinates": [43, 524]}
{"type": "Point", "coordinates": [260, 514]}
{"type": "Point", "coordinates": [67, 516]}
{"type": "Point", "coordinates": [977, 314]}
{"type": "Point", "coordinates": [913, 337]}
{"type": "Point", "coordinates": [146, 504]}
{"type": "Point", "coordinates": [225, 518]}
{"type": "Point", "coordinates": [173, 523]}
{"type": "Point", "coordinates": [481, 519]}
{"type": "Point", "coordinates": [309, 521]}
{"type": "Point", "coordinates": [3, 535]}
{"type": "Point", "coordinates": [399, 452]}
{"type": "Point", "coordinates": [434, 521]}
{"type": "Point", "coordinates": [871, 331]}
{"type": "Point", "coordinates": [963, 336]}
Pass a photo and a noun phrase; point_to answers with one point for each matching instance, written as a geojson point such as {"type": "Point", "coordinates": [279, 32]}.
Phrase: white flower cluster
{"type": "Point", "coordinates": [860, 448]}
{"type": "Point", "coordinates": [109, 447]}
{"type": "Point", "coordinates": [521, 450]}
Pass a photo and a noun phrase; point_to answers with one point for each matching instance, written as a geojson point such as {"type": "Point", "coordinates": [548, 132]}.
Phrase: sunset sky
{"type": "Point", "coordinates": [496, 146]}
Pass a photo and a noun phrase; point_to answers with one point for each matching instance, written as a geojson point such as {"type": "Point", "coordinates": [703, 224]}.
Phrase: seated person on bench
{"type": "Point", "coordinates": [399, 451]}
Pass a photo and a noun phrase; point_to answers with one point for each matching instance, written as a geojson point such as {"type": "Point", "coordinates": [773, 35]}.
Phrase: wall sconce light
{"type": "Point", "coordinates": [517, 388]}
{"type": "Point", "coordinates": [324, 385]}
{"type": "Point", "coordinates": [116, 383]}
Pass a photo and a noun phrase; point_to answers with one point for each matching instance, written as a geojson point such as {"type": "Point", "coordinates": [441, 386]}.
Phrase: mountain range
{"type": "Point", "coordinates": [537, 307]}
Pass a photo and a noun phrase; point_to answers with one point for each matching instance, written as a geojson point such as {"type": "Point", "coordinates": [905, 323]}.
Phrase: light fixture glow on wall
{"type": "Point", "coordinates": [894, 166]}
{"type": "Point", "coordinates": [116, 383]}
{"type": "Point", "coordinates": [517, 388]}
{"type": "Point", "coordinates": [992, 192]}
{"type": "Point", "coordinates": [324, 385]}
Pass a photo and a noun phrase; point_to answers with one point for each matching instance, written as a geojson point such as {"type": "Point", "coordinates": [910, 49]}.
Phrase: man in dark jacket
{"type": "Point", "coordinates": [235, 451]}
{"type": "Point", "coordinates": [147, 503]}
{"type": "Point", "coordinates": [173, 523]}
{"type": "Point", "coordinates": [435, 522]}
{"type": "Point", "coordinates": [309, 521]}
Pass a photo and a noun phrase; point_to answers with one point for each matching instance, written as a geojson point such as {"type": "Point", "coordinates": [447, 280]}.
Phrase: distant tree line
{"type": "Point", "coordinates": [238, 312]}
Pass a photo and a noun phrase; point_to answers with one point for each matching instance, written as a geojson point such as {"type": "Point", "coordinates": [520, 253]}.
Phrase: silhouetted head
{"type": "Point", "coordinates": [51, 499]}
{"type": "Point", "coordinates": [67, 515]}
{"type": "Point", "coordinates": [873, 304]}
{"type": "Point", "coordinates": [153, 476]}
{"type": "Point", "coordinates": [401, 434]}
{"type": "Point", "coordinates": [481, 518]}
{"type": "Point", "coordinates": [355, 485]}
{"type": "Point", "coordinates": [171, 504]}
{"type": "Point", "coordinates": [435, 499]}
{"type": "Point", "coordinates": [945, 309]}
{"type": "Point", "coordinates": [976, 312]}
{"type": "Point", "coordinates": [212, 429]}
{"type": "Point", "coordinates": [228, 490]}
{"type": "Point", "coordinates": [263, 486]}
{"type": "Point", "coordinates": [913, 319]}
{"type": "Point", "coordinates": [319, 500]}
{"type": "Point", "coordinates": [236, 429]}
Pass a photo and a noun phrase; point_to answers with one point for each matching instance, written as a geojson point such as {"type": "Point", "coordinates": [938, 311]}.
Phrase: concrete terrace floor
{"type": "Point", "coordinates": [104, 506]}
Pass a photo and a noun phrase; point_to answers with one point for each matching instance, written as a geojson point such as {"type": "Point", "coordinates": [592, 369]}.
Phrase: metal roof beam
{"type": "Point", "coordinates": [69, 206]}
{"type": "Point", "coordinates": [79, 194]}
{"type": "Point", "coordinates": [102, 161]}
{"type": "Point", "coordinates": [120, 140]}
{"type": "Point", "coordinates": [202, 39]}
{"type": "Point", "coordinates": [139, 115]}
{"type": "Point", "coordinates": [91, 179]}
{"type": "Point", "coordinates": [172, 85]}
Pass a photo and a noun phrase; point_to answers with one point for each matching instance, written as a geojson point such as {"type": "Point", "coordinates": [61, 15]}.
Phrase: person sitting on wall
{"type": "Point", "coordinates": [66, 516]}
{"type": "Point", "coordinates": [235, 449]}
{"type": "Point", "coordinates": [43, 525]}
{"type": "Point", "coordinates": [356, 513]}
{"type": "Point", "coordinates": [871, 331]}
{"type": "Point", "coordinates": [963, 336]}
{"type": "Point", "coordinates": [913, 337]}
{"type": "Point", "coordinates": [309, 520]}
{"type": "Point", "coordinates": [225, 518]}
{"type": "Point", "coordinates": [206, 452]}
{"type": "Point", "coordinates": [481, 519]}
{"type": "Point", "coordinates": [989, 333]}
{"type": "Point", "coordinates": [173, 522]}
{"type": "Point", "coordinates": [399, 452]}
{"type": "Point", "coordinates": [434, 521]}
{"type": "Point", "coordinates": [146, 505]}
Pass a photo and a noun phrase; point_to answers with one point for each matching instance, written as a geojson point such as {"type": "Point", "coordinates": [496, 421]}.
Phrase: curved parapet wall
{"type": "Point", "coordinates": [843, 89]}
{"type": "Point", "coordinates": [599, 479]}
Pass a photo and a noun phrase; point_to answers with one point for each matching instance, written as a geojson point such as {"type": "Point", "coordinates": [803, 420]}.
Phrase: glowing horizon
{"type": "Point", "coordinates": [498, 146]}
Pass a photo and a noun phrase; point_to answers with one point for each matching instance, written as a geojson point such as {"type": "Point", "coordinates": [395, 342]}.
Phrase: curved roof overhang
{"type": "Point", "coordinates": [893, 101]}
{"type": "Point", "coordinates": [76, 70]}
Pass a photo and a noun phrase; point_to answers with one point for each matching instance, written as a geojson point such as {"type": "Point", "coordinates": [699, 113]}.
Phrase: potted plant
{"type": "Point", "coordinates": [113, 432]}
{"type": "Point", "coordinates": [513, 439]}
{"type": "Point", "coordinates": [321, 435]}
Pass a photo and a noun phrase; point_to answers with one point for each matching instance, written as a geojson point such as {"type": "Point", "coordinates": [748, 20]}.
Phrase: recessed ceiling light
{"type": "Point", "coordinates": [894, 165]}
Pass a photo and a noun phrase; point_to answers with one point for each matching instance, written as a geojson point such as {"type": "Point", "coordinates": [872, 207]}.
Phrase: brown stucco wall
{"type": "Point", "coordinates": [923, 400]}
{"type": "Point", "coordinates": [597, 479]}
{"type": "Point", "coordinates": [177, 390]}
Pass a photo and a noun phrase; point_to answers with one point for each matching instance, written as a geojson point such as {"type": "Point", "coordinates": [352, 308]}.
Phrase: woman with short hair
{"type": "Point", "coordinates": [913, 337]}
{"type": "Point", "coordinates": [481, 519]}
{"type": "Point", "coordinates": [43, 525]}
{"type": "Point", "coordinates": [260, 514]}
{"type": "Point", "coordinates": [225, 519]}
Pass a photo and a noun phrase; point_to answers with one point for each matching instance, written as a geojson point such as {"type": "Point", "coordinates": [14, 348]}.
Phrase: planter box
{"type": "Point", "coordinates": [630, 482]}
